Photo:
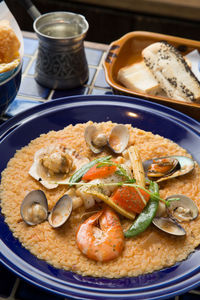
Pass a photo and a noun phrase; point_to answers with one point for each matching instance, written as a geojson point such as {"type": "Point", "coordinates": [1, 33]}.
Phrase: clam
{"type": "Point", "coordinates": [95, 139]}
{"type": "Point", "coordinates": [117, 140]}
{"type": "Point", "coordinates": [54, 164]}
{"type": "Point", "coordinates": [184, 209]}
{"type": "Point", "coordinates": [163, 168]}
{"type": "Point", "coordinates": [34, 209]}
{"type": "Point", "coordinates": [60, 212]}
{"type": "Point", "coordinates": [161, 210]}
{"type": "Point", "coordinates": [169, 225]}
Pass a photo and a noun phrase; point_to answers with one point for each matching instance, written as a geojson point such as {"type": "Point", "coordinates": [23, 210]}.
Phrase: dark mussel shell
{"type": "Point", "coordinates": [163, 168]}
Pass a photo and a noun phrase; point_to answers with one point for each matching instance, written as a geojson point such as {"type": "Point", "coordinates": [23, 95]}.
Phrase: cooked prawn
{"type": "Point", "coordinates": [102, 243]}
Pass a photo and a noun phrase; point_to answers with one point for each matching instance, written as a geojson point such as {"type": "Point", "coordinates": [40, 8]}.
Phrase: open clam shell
{"type": "Point", "coordinates": [164, 168]}
{"type": "Point", "coordinates": [95, 139]}
{"type": "Point", "coordinates": [184, 209]}
{"type": "Point", "coordinates": [34, 207]}
{"type": "Point", "coordinates": [118, 139]}
{"type": "Point", "coordinates": [169, 226]}
{"type": "Point", "coordinates": [60, 212]}
{"type": "Point", "coordinates": [58, 157]}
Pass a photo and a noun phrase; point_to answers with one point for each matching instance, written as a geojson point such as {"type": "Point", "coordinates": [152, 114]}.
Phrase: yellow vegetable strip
{"type": "Point", "coordinates": [141, 196]}
{"type": "Point", "coordinates": [108, 201]}
{"type": "Point", "coordinates": [137, 168]}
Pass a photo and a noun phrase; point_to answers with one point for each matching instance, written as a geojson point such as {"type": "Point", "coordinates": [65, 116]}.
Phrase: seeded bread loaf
{"type": "Point", "coordinates": [172, 72]}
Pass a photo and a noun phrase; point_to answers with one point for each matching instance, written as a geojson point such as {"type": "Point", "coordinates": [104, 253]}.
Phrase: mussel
{"type": "Point", "coordinates": [164, 168]}
{"type": "Point", "coordinates": [117, 140]}
{"type": "Point", "coordinates": [34, 209]}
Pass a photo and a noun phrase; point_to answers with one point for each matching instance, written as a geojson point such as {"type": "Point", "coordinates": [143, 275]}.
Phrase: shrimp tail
{"type": "Point", "coordinates": [101, 236]}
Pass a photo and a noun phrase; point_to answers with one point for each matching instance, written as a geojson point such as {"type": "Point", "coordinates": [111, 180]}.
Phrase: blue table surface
{"type": "Point", "coordinates": [30, 95]}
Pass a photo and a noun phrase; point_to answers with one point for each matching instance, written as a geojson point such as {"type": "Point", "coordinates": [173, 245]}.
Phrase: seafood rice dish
{"type": "Point", "coordinates": [103, 200]}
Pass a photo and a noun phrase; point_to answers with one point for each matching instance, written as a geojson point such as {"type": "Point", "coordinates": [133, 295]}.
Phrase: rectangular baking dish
{"type": "Point", "coordinates": [127, 50]}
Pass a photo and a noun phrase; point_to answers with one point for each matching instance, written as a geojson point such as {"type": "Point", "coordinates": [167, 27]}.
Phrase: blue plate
{"type": "Point", "coordinates": [55, 115]}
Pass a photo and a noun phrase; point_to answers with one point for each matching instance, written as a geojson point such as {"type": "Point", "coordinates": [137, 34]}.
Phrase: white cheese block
{"type": "Point", "coordinates": [138, 78]}
{"type": "Point", "coordinates": [131, 69]}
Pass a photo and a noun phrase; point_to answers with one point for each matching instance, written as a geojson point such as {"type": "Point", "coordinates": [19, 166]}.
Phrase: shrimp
{"type": "Point", "coordinates": [102, 243]}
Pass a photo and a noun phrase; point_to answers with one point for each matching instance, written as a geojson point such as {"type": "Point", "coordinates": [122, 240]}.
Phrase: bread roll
{"type": "Point", "coordinates": [172, 72]}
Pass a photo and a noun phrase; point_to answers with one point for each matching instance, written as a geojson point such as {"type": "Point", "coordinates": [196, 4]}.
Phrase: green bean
{"type": "Point", "coordinates": [146, 216]}
{"type": "Point", "coordinates": [76, 177]}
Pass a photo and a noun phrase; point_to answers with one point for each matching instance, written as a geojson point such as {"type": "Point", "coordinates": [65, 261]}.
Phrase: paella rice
{"type": "Point", "coordinates": [151, 250]}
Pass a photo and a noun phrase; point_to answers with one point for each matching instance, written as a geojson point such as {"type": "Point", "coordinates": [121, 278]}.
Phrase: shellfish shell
{"type": "Point", "coordinates": [169, 226]}
{"type": "Point", "coordinates": [184, 209]}
{"type": "Point", "coordinates": [119, 138]}
{"type": "Point", "coordinates": [34, 207]}
{"type": "Point", "coordinates": [185, 165]}
{"type": "Point", "coordinates": [94, 139]}
{"type": "Point", "coordinates": [38, 171]}
{"type": "Point", "coordinates": [60, 212]}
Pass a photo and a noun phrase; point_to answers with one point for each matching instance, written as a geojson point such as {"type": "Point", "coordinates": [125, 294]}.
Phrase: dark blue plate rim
{"type": "Point", "coordinates": [173, 114]}
{"type": "Point", "coordinates": [172, 287]}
